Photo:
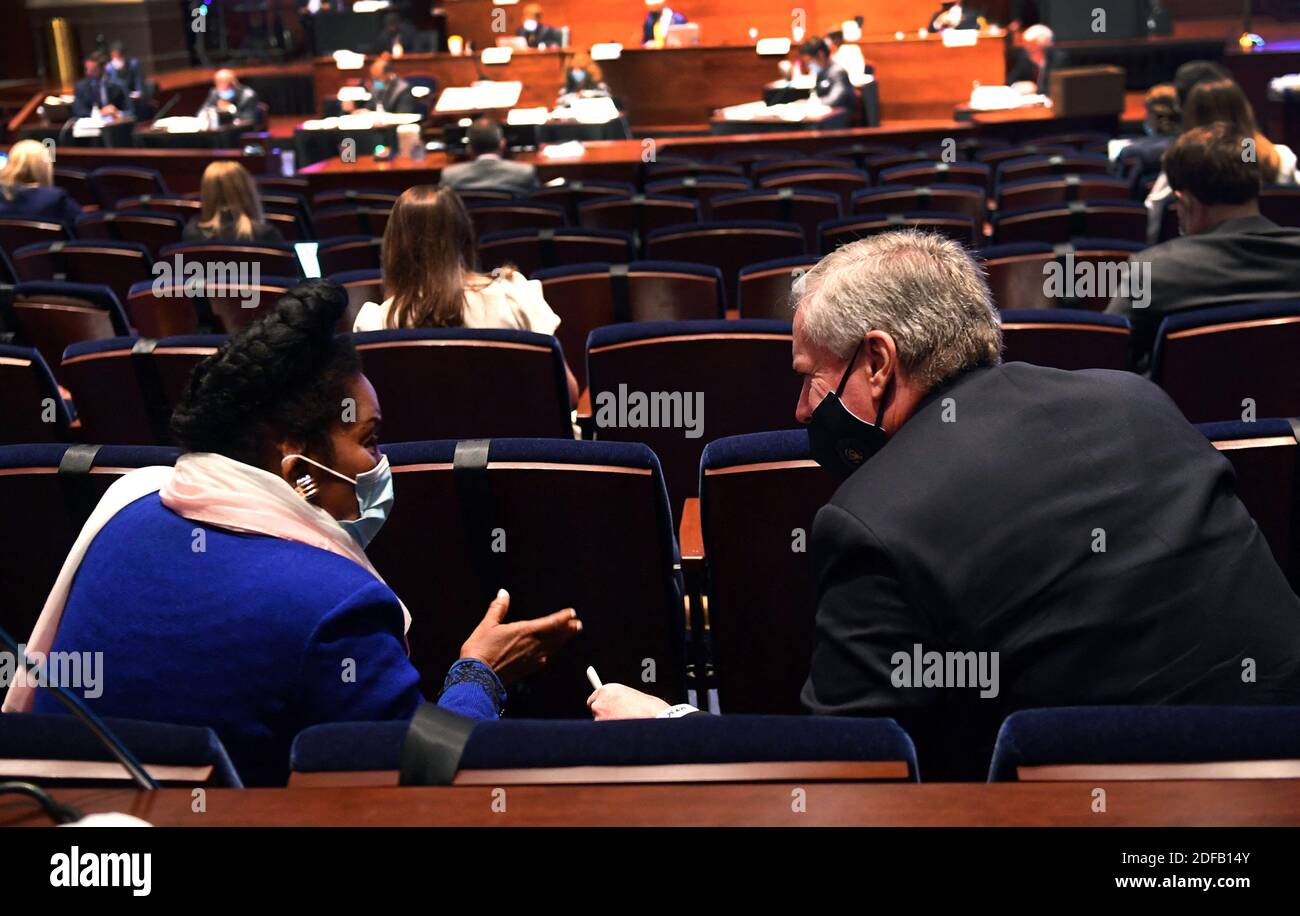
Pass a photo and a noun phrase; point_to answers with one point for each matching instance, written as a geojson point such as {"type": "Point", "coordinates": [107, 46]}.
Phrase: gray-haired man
{"type": "Point", "coordinates": [1068, 533]}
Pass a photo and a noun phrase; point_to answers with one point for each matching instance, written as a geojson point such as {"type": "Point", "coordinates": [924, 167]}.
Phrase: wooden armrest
{"type": "Point", "coordinates": [690, 538]}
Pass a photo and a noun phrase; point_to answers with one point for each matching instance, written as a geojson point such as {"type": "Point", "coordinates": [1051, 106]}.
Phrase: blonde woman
{"type": "Point", "coordinates": [232, 210]}
{"type": "Point", "coordinates": [27, 188]}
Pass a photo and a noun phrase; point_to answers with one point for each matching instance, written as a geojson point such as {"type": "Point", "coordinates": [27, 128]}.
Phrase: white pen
{"type": "Point", "coordinates": [593, 677]}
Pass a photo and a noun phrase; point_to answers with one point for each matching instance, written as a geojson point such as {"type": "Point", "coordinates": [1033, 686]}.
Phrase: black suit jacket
{"type": "Point", "coordinates": [245, 104]}
{"type": "Point", "coordinates": [1240, 260]}
{"type": "Point", "coordinates": [1024, 70]}
{"type": "Point", "coordinates": [982, 535]}
{"type": "Point", "coordinates": [397, 98]}
{"type": "Point", "coordinates": [544, 34]}
{"type": "Point", "coordinates": [131, 76]}
{"type": "Point", "coordinates": [87, 94]}
{"type": "Point", "coordinates": [406, 35]}
{"type": "Point", "coordinates": [835, 88]}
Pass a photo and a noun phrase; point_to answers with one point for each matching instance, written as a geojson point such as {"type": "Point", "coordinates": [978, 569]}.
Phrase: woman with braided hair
{"type": "Point", "coordinates": [240, 576]}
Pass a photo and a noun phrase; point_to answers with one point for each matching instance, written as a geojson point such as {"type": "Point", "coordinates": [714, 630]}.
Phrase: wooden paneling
{"type": "Point", "coordinates": [1242, 802]}
{"type": "Point", "coordinates": [722, 22]}
{"type": "Point", "coordinates": [918, 78]}
{"type": "Point", "coordinates": [151, 30]}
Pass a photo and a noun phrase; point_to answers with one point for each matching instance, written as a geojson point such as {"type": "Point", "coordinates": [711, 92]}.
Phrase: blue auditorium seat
{"type": "Point", "coordinates": [756, 491]}
{"type": "Point", "coordinates": [50, 315]}
{"type": "Point", "coordinates": [739, 371]}
{"type": "Point", "coordinates": [1148, 742]}
{"type": "Point", "coordinates": [763, 289]}
{"type": "Point", "coordinates": [1066, 338]}
{"type": "Point", "coordinates": [1266, 458]}
{"type": "Point", "coordinates": [467, 383]}
{"type": "Point", "coordinates": [588, 296]}
{"type": "Point", "coordinates": [27, 392]}
{"type": "Point", "coordinates": [39, 746]}
{"type": "Point", "coordinates": [558, 523]}
{"type": "Point", "coordinates": [705, 748]}
{"type": "Point", "coordinates": [1212, 360]}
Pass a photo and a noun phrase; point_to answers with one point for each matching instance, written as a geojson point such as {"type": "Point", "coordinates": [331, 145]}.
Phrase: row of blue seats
{"type": "Point", "coordinates": [1249, 343]}
{"type": "Point", "coordinates": [591, 527]}
{"type": "Point", "coordinates": [1097, 743]}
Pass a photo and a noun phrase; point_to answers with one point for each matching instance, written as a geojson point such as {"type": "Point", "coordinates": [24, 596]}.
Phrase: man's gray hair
{"type": "Point", "coordinates": [923, 290]}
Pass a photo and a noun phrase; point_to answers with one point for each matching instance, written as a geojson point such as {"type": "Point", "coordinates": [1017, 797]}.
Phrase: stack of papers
{"type": "Point", "coordinates": [571, 150]}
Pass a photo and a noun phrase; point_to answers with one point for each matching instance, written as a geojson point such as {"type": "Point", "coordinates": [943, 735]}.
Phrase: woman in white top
{"type": "Point", "coordinates": [1208, 103]}
{"type": "Point", "coordinates": [430, 278]}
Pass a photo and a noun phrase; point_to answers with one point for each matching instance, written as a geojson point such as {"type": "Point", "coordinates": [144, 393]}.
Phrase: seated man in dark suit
{"type": "Point", "coordinates": [1228, 251]}
{"type": "Point", "coordinates": [125, 70]}
{"type": "Point", "coordinates": [1032, 66]}
{"type": "Point", "coordinates": [834, 88]}
{"type": "Point", "coordinates": [487, 171]}
{"type": "Point", "coordinates": [1008, 536]}
{"type": "Point", "coordinates": [397, 38]}
{"type": "Point", "coordinates": [537, 33]}
{"type": "Point", "coordinates": [230, 101]}
{"type": "Point", "coordinates": [97, 91]}
{"type": "Point", "coordinates": [387, 90]}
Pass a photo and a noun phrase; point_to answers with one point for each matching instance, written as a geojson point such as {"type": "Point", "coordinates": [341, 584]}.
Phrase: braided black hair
{"type": "Point", "coordinates": [283, 378]}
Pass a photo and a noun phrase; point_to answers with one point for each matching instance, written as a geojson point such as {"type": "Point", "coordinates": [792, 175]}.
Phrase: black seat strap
{"type": "Point", "coordinates": [620, 288]}
{"type": "Point", "coordinates": [785, 196]}
{"type": "Point", "coordinates": [8, 317]}
{"type": "Point", "coordinates": [79, 493]}
{"type": "Point", "coordinates": [1078, 217]}
{"type": "Point", "coordinates": [433, 747]}
{"type": "Point", "coordinates": [478, 514]}
{"type": "Point", "coordinates": [60, 270]}
{"type": "Point", "coordinates": [151, 389]}
{"type": "Point", "coordinates": [546, 239]}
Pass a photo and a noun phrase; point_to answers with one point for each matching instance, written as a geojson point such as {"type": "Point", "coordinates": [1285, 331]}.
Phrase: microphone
{"type": "Point", "coordinates": [87, 718]}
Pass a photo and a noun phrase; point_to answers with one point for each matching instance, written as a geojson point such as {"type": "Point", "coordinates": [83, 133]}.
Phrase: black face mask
{"type": "Point", "coordinates": [840, 442]}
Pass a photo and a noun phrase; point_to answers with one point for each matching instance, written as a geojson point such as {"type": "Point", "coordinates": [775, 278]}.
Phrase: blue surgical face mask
{"type": "Point", "coordinates": [379, 85]}
{"type": "Point", "coordinates": [578, 75]}
{"type": "Point", "coordinates": [375, 498]}
{"type": "Point", "coordinates": [227, 94]}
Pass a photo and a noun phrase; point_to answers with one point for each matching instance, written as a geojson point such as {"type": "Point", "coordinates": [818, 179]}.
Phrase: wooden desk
{"type": "Point", "coordinates": [1149, 804]}
{"type": "Point", "coordinates": [918, 78]}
